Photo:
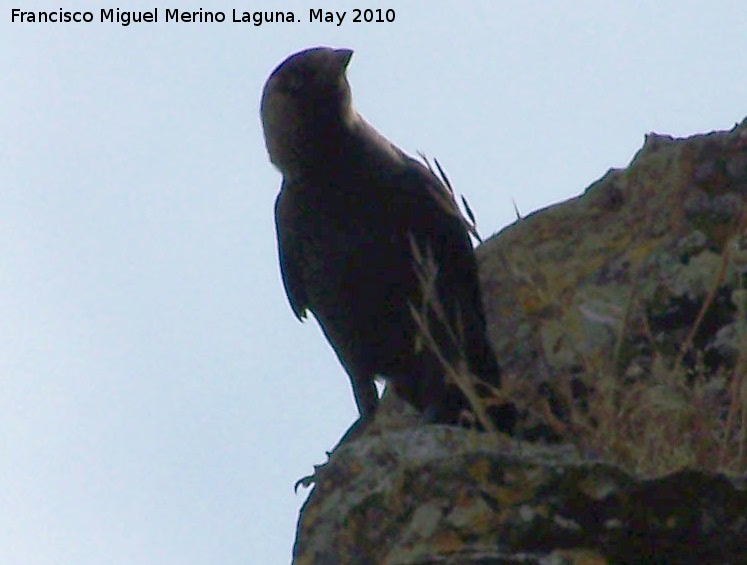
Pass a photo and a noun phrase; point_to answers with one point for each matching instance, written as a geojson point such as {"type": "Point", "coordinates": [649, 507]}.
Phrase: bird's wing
{"type": "Point", "coordinates": [436, 204]}
{"type": "Point", "coordinates": [290, 252]}
{"type": "Point", "coordinates": [435, 222]}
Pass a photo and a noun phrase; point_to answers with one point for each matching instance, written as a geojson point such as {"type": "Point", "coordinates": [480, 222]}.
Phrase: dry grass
{"type": "Point", "coordinates": [663, 421]}
{"type": "Point", "coordinates": [669, 419]}
{"type": "Point", "coordinates": [459, 374]}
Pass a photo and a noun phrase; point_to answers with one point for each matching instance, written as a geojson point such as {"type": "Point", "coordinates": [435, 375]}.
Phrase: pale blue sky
{"type": "Point", "coordinates": [157, 397]}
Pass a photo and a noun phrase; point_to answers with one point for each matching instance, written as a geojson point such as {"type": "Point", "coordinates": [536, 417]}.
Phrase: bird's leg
{"type": "Point", "coordinates": [354, 432]}
{"type": "Point", "coordinates": [366, 396]}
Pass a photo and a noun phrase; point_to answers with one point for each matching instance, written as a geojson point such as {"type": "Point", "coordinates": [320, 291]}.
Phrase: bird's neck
{"type": "Point", "coordinates": [343, 146]}
{"type": "Point", "coordinates": [377, 148]}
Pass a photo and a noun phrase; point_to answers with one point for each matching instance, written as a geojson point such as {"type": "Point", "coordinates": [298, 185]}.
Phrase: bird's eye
{"type": "Point", "coordinates": [294, 82]}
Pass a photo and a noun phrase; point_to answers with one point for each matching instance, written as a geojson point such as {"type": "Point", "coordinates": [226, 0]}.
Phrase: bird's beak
{"type": "Point", "coordinates": [342, 58]}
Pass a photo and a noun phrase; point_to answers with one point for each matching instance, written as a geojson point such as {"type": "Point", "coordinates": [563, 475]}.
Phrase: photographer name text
{"type": "Point", "coordinates": [177, 15]}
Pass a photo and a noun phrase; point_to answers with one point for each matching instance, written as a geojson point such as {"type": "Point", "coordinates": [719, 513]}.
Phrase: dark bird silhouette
{"type": "Point", "coordinates": [353, 214]}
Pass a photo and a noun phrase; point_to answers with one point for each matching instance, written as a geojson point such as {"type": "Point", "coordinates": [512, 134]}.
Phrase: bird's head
{"type": "Point", "coordinates": [306, 93]}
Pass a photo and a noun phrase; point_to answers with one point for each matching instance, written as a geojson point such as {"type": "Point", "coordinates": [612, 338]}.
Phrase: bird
{"type": "Point", "coordinates": [356, 218]}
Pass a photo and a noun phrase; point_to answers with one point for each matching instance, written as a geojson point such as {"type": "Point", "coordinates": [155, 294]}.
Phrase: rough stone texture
{"type": "Point", "coordinates": [438, 494]}
{"type": "Point", "coordinates": [612, 282]}
{"type": "Point", "coordinates": [568, 287]}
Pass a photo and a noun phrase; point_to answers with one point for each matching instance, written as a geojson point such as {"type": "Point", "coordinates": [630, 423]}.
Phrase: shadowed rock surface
{"type": "Point", "coordinates": [438, 494]}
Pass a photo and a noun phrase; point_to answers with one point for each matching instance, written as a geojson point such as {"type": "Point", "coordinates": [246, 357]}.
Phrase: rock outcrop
{"type": "Point", "coordinates": [445, 495]}
{"type": "Point", "coordinates": [620, 319]}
